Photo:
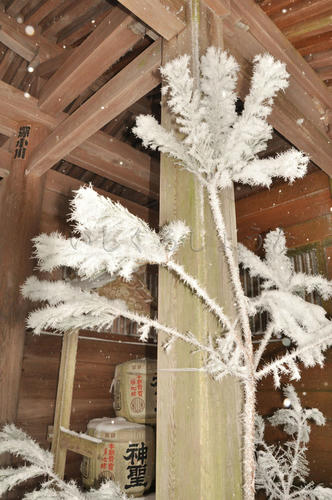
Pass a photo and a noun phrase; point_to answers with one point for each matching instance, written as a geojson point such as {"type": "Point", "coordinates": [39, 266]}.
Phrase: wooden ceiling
{"type": "Point", "coordinates": [308, 26]}
{"type": "Point", "coordinates": [80, 74]}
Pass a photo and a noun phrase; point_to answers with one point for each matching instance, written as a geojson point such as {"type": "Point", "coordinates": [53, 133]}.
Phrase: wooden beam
{"type": "Point", "coordinates": [195, 412]}
{"type": "Point", "coordinates": [65, 185]}
{"type": "Point", "coordinates": [21, 201]}
{"type": "Point", "coordinates": [163, 16]}
{"type": "Point", "coordinates": [15, 7]}
{"type": "Point", "coordinates": [274, 41]}
{"type": "Point", "coordinates": [82, 444]}
{"type": "Point", "coordinates": [325, 73]}
{"type": "Point", "coordinates": [301, 113]}
{"type": "Point", "coordinates": [103, 155]}
{"type": "Point", "coordinates": [8, 126]}
{"type": "Point", "coordinates": [50, 66]}
{"type": "Point", "coordinates": [5, 162]}
{"type": "Point", "coordinates": [132, 83]}
{"type": "Point", "coordinates": [95, 153]}
{"type": "Point", "coordinates": [220, 7]}
{"type": "Point", "coordinates": [12, 35]}
{"type": "Point", "coordinates": [105, 45]}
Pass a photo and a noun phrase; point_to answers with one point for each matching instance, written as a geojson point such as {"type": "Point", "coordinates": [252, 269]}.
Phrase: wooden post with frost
{"type": "Point", "coordinates": [21, 203]}
{"type": "Point", "coordinates": [198, 432]}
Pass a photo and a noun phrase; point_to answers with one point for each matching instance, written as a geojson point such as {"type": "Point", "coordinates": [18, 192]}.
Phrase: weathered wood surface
{"type": "Point", "coordinates": [64, 398]}
{"type": "Point", "coordinates": [104, 46]}
{"type": "Point", "coordinates": [100, 152]}
{"type": "Point", "coordinates": [163, 16]}
{"type": "Point", "coordinates": [21, 203]}
{"type": "Point", "coordinates": [132, 83]}
{"type": "Point", "coordinates": [303, 209]}
{"type": "Point", "coordinates": [198, 433]}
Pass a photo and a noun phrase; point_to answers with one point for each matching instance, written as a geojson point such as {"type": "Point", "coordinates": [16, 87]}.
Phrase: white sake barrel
{"type": "Point", "coordinates": [135, 390]}
{"type": "Point", "coordinates": [128, 457]}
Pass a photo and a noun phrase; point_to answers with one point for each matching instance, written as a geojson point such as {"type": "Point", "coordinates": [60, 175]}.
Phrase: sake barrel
{"type": "Point", "coordinates": [128, 457]}
{"type": "Point", "coordinates": [135, 390]}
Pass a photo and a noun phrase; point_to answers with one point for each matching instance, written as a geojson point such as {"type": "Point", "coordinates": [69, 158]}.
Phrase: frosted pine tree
{"type": "Point", "coordinates": [282, 470]}
{"type": "Point", "coordinates": [219, 147]}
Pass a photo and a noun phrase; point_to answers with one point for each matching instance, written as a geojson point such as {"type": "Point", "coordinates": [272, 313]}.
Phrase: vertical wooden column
{"type": "Point", "coordinates": [198, 431]}
{"type": "Point", "coordinates": [64, 398]}
{"type": "Point", "coordinates": [21, 202]}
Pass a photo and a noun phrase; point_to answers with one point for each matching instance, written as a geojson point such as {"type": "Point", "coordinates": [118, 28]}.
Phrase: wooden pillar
{"type": "Point", "coordinates": [198, 431]}
{"type": "Point", "coordinates": [21, 202]}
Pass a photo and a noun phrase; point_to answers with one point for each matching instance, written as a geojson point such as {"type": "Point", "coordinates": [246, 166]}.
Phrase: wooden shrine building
{"type": "Point", "coordinates": [74, 74]}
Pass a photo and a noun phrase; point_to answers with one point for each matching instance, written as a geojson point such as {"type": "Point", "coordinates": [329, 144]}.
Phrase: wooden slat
{"type": "Point", "coordinates": [73, 33]}
{"type": "Point", "coordinates": [42, 9]}
{"type": "Point", "coordinates": [303, 10]}
{"type": "Point", "coordinates": [320, 59]}
{"type": "Point", "coordinates": [314, 44]}
{"type": "Point", "coordinates": [101, 153]}
{"type": "Point", "coordinates": [309, 28]}
{"type": "Point", "coordinates": [70, 11]}
{"type": "Point", "coordinates": [110, 40]}
{"type": "Point", "coordinates": [65, 185]}
{"type": "Point", "coordinates": [275, 42]}
{"type": "Point", "coordinates": [6, 62]}
{"type": "Point", "coordinates": [163, 16]}
{"type": "Point", "coordinates": [132, 83]}
{"type": "Point", "coordinates": [325, 73]}
{"type": "Point", "coordinates": [13, 36]}
{"type": "Point", "coordinates": [272, 7]}
{"type": "Point", "coordinates": [15, 7]}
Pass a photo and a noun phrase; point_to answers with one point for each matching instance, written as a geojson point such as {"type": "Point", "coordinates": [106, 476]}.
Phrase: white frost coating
{"type": "Point", "coordinates": [115, 424]}
{"type": "Point", "coordinates": [80, 435]}
{"type": "Point", "coordinates": [39, 462]}
{"type": "Point", "coordinates": [219, 146]}
{"type": "Point", "coordinates": [282, 470]}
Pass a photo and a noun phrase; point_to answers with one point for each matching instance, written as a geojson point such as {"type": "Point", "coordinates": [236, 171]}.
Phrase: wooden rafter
{"type": "Point", "coordinates": [95, 156]}
{"type": "Point", "coordinates": [132, 83]}
{"type": "Point", "coordinates": [14, 37]}
{"type": "Point", "coordinates": [220, 7]}
{"type": "Point", "coordinates": [95, 153]}
{"type": "Point", "coordinates": [163, 16]}
{"type": "Point", "coordinates": [41, 10]}
{"type": "Point", "coordinates": [301, 114]}
{"type": "Point", "coordinates": [110, 40]}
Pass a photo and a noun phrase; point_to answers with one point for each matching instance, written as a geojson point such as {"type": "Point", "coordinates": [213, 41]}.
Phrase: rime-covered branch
{"type": "Point", "coordinates": [18, 443]}
{"type": "Point", "coordinates": [282, 470]}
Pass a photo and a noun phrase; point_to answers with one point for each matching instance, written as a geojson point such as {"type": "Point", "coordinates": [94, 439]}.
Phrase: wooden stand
{"type": "Point", "coordinates": [64, 439]}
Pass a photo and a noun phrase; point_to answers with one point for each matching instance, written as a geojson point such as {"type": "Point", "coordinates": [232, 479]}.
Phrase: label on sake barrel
{"type": "Point", "coordinates": [128, 457]}
{"type": "Point", "coordinates": [135, 390]}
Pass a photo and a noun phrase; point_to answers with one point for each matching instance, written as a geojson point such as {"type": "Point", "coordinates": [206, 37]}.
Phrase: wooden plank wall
{"type": "Point", "coordinates": [96, 361]}
{"type": "Point", "coordinates": [304, 211]}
